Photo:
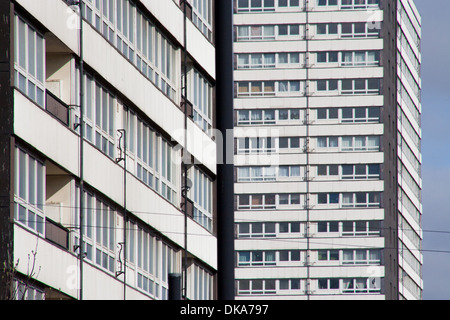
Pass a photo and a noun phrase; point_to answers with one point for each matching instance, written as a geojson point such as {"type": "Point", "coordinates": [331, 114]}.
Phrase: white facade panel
{"type": "Point", "coordinates": [62, 275]}
{"type": "Point", "coordinates": [45, 133]}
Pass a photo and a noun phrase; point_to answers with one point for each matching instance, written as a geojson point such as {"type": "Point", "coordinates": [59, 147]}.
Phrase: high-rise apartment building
{"type": "Point", "coordinates": [327, 156]}
{"type": "Point", "coordinates": [112, 214]}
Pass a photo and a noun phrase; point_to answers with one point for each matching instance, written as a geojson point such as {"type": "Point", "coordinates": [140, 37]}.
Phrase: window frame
{"type": "Point", "coordinates": [28, 214]}
{"type": "Point", "coordinates": [99, 232]}
{"type": "Point", "coordinates": [256, 145]}
{"type": "Point", "coordinates": [359, 6]}
{"type": "Point", "coordinates": [201, 193]}
{"type": "Point", "coordinates": [201, 97]}
{"type": "Point", "coordinates": [33, 83]}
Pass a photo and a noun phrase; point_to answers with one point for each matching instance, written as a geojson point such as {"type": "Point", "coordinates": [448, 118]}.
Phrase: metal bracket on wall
{"type": "Point", "coordinates": [121, 264]}
{"type": "Point", "coordinates": [122, 153]}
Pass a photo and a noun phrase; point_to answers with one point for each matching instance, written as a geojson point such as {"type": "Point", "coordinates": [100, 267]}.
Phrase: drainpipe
{"type": "Point", "coordinates": [81, 164]}
{"type": "Point", "coordinates": [225, 171]}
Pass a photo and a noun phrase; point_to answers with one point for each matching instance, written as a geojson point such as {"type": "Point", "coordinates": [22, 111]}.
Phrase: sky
{"type": "Point", "coordinates": [435, 75]}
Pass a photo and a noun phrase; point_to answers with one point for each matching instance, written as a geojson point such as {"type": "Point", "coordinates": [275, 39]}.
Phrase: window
{"type": "Point", "coordinates": [328, 284]}
{"type": "Point", "coordinates": [350, 256]}
{"type": "Point", "coordinates": [256, 202]}
{"type": "Point", "coordinates": [125, 28]}
{"type": "Point", "coordinates": [153, 259]}
{"type": "Point", "coordinates": [255, 32]}
{"type": "Point", "coordinates": [168, 172]}
{"type": "Point", "coordinates": [256, 230]}
{"type": "Point", "coordinates": [256, 258]}
{"type": "Point", "coordinates": [99, 230]}
{"type": "Point", "coordinates": [253, 174]}
{"type": "Point", "coordinates": [361, 285]}
{"type": "Point", "coordinates": [268, 116]}
{"type": "Point", "coordinates": [350, 115]}
{"type": "Point", "coordinates": [288, 143]}
{"type": "Point", "coordinates": [201, 99]}
{"type": "Point", "coordinates": [289, 227]}
{"type": "Point", "coordinates": [29, 60]}
{"type": "Point", "coordinates": [360, 143]}
{"type": "Point", "coordinates": [255, 5]}
{"type": "Point", "coordinates": [327, 28]}
{"type": "Point", "coordinates": [104, 120]}
{"type": "Point", "coordinates": [360, 58]}
{"type": "Point", "coordinates": [288, 59]}
{"type": "Point", "coordinates": [29, 191]}
{"type": "Point", "coordinates": [358, 30]}
{"type": "Point", "coordinates": [268, 32]}
{"type": "Point", "coordinates": [351, 200]}
{"type": "Point", "coordinates": [328, 255]}
{"type": "Point", "coordinates": [255, 145]}
{"type": "Point", "coordinates": [101, 15]}
{"type": "Point", "coordinates": [289, 284]}
{"type": "Point", "coordinates": [156, 160]}
{"type": "Point", "coordinates": [289, 256]}
{"type": "Point", "coordinates": [289, 172]}
{"type": "Point", "coordinates": [145, 45]}
{"type": "Point", "coordinates": [288, 3]}
{"type": "Point", "coordinates": [255, 88]}
{"type": "Point", "coordinates": [156, 163]}
{"type": "Point", "coordinates": [268, 88]}
{"type": "Point", "coordinates": [361, 199]}
{"type": "Point", "coordinates": [99, 120]}
{"type": "Point", "coordinates": [265, 5]}
{"type": "Point", "coordinates": [353, 285]}
{"type": "Point", "coordinates": [289, 199]}
{"type": "Point", "coordinates": [359, 4]}
{"type": "Point", "coordinates": [328, 170]}
{"type": "Point", "coordinates": [327, 2]}
{"type": "Point", "coordinates": [288, 30]}
{"type": "Point", "coordinates": [256, 61]}
{"type": "Point", "coordinates": [200, 282]}
{"type": "Point", "coordinates": [256, 287]}
{"type": "Point", "coordinates": [146, 258]}
{"type": "Point", "coordinates": [361, 114]}
{"type": "Point", "coordinates": [327, 85]}
{"type": "Point", "coordinates": [328, 198]}
{"type": "Point", "coordinates": [327, 226]}
{"type": "Point", "coordinates": [202, 14]}
{"type": "Point", "coordinates": [137, 39]}
{"type": "Point", "coordinates": [255, 117]}
{"type": "Point", "coordinates": [360, 171]}
{"type": "Point", "coordinates": [146, 144]}
{"type": "Point", "coordinates": [288, 114]}
{"type": "Point", "coordinates": [361, 228]}
{"type": "Point", "coordinates": [327, 142]}
{"type": "Point", "coordinates": [360, 86]}
{"type": "Point", "coordinates": [202, 195]}
{"type": "Point", "coordinates": [408, 75]}
{"type": "Point", "coordinates": [361, 257]}
{"type": "Point", "coordinates": [104, 235]}
{"type": "Point", "coordinates": [25, 291]}
{"type": "Point", "coordinates": [327, 113]}
{"type": "Point", "coordinates": [327, 56]}
{"type": "Point", "coordinates": [288, 87]}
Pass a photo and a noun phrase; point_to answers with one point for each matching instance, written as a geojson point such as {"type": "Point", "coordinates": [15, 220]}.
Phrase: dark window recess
{"type": "Point", "coordinates": [188, 9]}
{"type": "Point", "coordinates": [56, 234]}
{"type": "Point", "coordinates": [189, 209]}
{"type": "Point", "coordinates": [57, 108]}
{"type": "Point", "coordinates": [187, 107]}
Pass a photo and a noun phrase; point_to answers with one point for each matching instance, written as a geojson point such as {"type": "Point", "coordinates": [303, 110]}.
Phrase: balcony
{"type": "Point", "coordinates": [57, 108]}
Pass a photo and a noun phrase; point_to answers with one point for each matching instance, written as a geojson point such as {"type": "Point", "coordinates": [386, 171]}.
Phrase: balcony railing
{"type": "Point", "coordinates": [57, 108]}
